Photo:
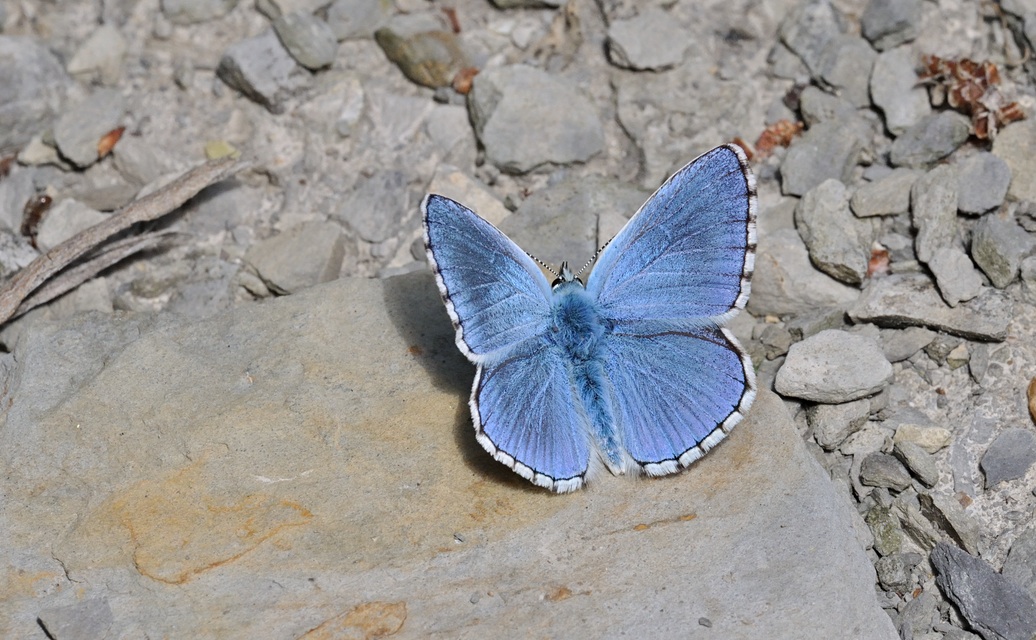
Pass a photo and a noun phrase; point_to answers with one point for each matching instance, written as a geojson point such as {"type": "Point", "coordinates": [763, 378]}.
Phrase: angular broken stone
{"type": "Point", "coordinates": [833, 367]}
{"type": "Point", "coordinates": [993, 605]}
{"type": "Point", "coordinates": [263, 70]}
{"type": "Point", "coordinates": [911, 300]}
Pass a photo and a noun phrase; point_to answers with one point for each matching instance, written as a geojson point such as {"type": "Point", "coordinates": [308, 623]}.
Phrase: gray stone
{"type": "Point", "coordinates": [955, 275]}
{"type": "Point", "coordinates": [274, 9]}
{"type": "Point", "coordinates": [33, 86]}
{"type": "Point", "coordinates": [263, 70]}
{"type": "Point", "coordinates": [64, 220]}
{"type": "Point", "coordinates": [100, 56]}
{"type": "Point", "coordinates": [1016, 145]}
{"type": "Point", "coordinates": [508, 102]}
{"type": "Point", "coordinates": [833, 367]}
{"type": "Point", "coordinates": [814, 321]}
{"type": "Point", "coordinates": [899, 246]}
{"type": "Point", "coordinates": [882, 470]}
{"type": "Point", "coordinates": [929, 140]}
{"type": "Point", "coordinates": [808, 28]}
{"type": "Point", "coordinates": [785, 64]}
{"type": "Point", "coordinates": [950, 517]}
{"type": "Point", "coordinates": [933, 200]}
{"type": "Point", "coordinates": [354, 19]}
{"type": "Point", "coordinates": [453, 183]}
{"type": "Point", "coordinates": [1009, 456]}
{"type": "Point", "coordinates": [884, 525]}
{"type": "Point", "coordinates": [984, 179]}
{"type": "Point", "coordinates": [81, 127]}
{"type": "Point", "coordinates": [915, 620]}
{"type": "Point", "coordinates": [929, 438]}
{"type": "Point", "coordinates": [907, 508]}
{"type": "Point", "coordinates": [978, 363]}
{"type": "Point", "coordinates": [895, 90]}
{"type": "Point", "coordinates": [107, 197]}
{"type": "Point", "coordinates": [527, 4]}
{"type": "Point", "coordinates": [845, 66]}
{"type": "Point", "coordinates": [1020, 565]}
{"type": "Point", "coordinates": [260, 476]}
{"type": "Point", "coordinates": [998, 247]}
{"type": "Point", "coordinates": [898, 345]}
{"type": "Point", "coordinates": [376, 206]}
{"type": "Point", "coordinates": [139, 161]}
{"type": "Point", "coordinates": [894, 571]}
{"type": "Point", "coordinates": [833, 423]}
{"type": "Point", "coordinates": [307, 38]}
{"type": "Point", "coordinates": [890, 23]}
{"type": "Point", "coordinates": [838, 243]}
{"type": "Point", "coordinates": [941, 347]}
{"type": "Point", "coordinates": [301, 257]}
{"type": "Point", "coordinates": [911, 300]}
{"type": "Point", "coordinates": [825, 151]}
{"type": "Point", "coordinates": [958, 356]}
{"type": "Point", "coordinates": [423, 48]}
{"type": "Point", "coordinates": [889, 195]}
{"type": "Point", "coordinates": [85, 620]}
{"type": "Point", "coordinates": [650, 40]}
{"type": "Point", "coordinates": [777, 340]}
{"type": "Point", "coordinates": [785, 282]}
{"type": "Point", "coordinates": [194, 11]}
{"type": "Point", "coordinates": [817, 105]}
{"type": "Point", "coordinates": [918, 461]}
{"type": "Point", "coordinates": [561, 223]}
{"type": "Point", "coordinates": [992, 605]}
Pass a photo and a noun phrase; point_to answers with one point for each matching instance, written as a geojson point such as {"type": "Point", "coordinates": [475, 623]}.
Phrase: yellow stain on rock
{"type": "Point", "coordinates": [368, 620]}
{"type": "Point", "coordinates": [179, 529]}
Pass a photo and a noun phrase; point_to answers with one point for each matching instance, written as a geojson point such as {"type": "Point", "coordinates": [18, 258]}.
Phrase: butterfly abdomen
{"type": "Point", "coordinates": [578, 329]}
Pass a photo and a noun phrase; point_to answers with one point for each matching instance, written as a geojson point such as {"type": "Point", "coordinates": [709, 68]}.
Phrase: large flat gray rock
{"type": "Point", "coordinates": [308, 464]}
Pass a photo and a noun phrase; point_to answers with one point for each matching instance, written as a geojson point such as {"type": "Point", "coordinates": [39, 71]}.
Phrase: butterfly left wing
{"type": "Point", "coordinates": [522, 403]}
{"type": "Point", "coordinates": [527, 417]}
{"type": "Point", "coordinates": [676, 393]}
{"type": "Point", "coordinates": [495, 294]}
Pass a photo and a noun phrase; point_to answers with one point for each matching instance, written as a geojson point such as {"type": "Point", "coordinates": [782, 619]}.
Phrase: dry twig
{"type": "Point", "coordinates": [14, 296]}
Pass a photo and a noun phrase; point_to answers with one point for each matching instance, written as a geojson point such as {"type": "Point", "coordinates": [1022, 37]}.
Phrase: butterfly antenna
{"type": "Point", "coordinates": [544, 265]}
{"type": "Point", "coordinates": [593, 257]}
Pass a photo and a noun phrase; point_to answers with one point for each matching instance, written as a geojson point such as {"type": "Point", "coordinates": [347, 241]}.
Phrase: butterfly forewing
{"type": "Point", "coordinates": [495, 294]}
{"type": "Point", "coordinates": [688, 253]}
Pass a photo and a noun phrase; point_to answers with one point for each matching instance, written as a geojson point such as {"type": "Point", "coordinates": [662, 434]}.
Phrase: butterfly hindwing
{"type": "Point", "coordinates": [688, 253]}
{"type": "Point", "coordinates": [495, 294]}
{"type": "Point", "coordinates": [676, 393]}
{"type": "Point", "coordinates": [527, 417]}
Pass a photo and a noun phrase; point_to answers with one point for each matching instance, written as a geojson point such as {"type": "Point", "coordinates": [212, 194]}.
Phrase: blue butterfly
{"type": "Point", "coordinates": [633, 372]}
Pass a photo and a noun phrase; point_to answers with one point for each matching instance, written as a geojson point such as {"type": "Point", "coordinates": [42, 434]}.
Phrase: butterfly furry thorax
{"type": "Point", "coordinates": [632, 372]}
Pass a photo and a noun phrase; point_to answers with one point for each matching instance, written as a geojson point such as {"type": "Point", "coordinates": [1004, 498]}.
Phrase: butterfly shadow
{"type": "Point", "coordinates": [416, 311]}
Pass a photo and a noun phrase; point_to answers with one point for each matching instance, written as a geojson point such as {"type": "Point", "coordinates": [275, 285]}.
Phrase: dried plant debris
{"type": "Point", "coordinates": [108, 140]}
{"type": "Point", "coordinates": [32, 215]}
{"type": "Point", "coordinates": [778, 134]}
{"type": "Point", "coordinates": [972, 88]}
{"type": "Point", "coordinates": [1032, 399]}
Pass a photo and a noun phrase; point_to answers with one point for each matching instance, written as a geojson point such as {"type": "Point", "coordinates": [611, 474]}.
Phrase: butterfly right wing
{"type": "Point", "coordinates": [495, 294]}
